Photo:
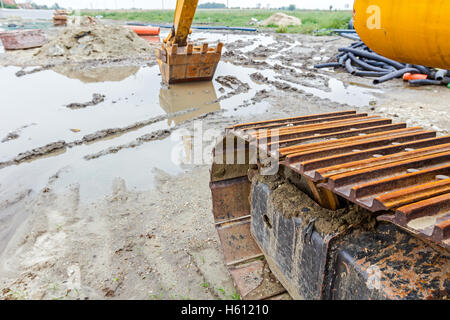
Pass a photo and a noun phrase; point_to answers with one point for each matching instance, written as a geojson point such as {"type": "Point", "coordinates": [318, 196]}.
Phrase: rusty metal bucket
{"type": "Point", "coordinates": [189, 63]}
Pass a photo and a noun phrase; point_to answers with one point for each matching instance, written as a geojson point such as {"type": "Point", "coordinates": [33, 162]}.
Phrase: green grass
{"type": "Point", "coordinates": [311, 19]}
{"type": "Point", "coordinates": [235, 296]}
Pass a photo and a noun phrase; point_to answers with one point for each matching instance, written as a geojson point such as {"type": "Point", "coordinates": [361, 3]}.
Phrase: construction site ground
{"type": "Point", "coordinates": [101, 196]}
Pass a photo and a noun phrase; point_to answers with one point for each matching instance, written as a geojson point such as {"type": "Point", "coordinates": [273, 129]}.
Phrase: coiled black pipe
{"type": "Point", "coordinates": [371, 73]}
{"type": "Point", "coordinates": [357, 44]}
{"type": "Point", "coordinates": [350, 36]}
{"type": "Point", "coordinates": [349, 67]}
{"type": "Point", "coordinates": [422, 69]}
{"type": "Point", "coordinates": [361, 44]}
{"type": "Point", "coordinates": [343, 59]}
{"type": "Point", "coordinates": [379, 64]}
{"type": "Point", "coordinates": [446, 80]}
{"type": "Point", "coordinates": [365, 65]}
{"type": "Point", "coordinates": [395, 74]}
{"type": "Point", "coordinates": [327, 65]}
{"type": "Point", "coordinates": [422, 82]}
{"type": "Point", "coordinates": [359, 60]}
{"type": "Point", "coordinates": [374, 56]}
{"type": "Point", "coordinates": [440, 75]}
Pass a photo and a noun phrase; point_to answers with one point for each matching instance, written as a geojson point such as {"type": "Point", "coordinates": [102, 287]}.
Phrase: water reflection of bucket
{"type": "Point", "coordinates": [198, 95]}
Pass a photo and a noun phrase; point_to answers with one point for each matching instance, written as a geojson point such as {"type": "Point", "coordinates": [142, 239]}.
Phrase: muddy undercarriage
{"type": "Point", "coordinates": [330, 247]}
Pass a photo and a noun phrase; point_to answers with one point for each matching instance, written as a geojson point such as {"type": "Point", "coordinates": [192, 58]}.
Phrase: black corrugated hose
{"type": "Point", "coordinates": [359, 60]}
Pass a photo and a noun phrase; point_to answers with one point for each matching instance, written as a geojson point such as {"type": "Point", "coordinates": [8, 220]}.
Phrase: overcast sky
{"type": "Point", "coordinates": [170, 4]}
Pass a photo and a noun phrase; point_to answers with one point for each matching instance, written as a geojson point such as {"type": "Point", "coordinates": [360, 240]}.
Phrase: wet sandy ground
{"type": "Point", "coordinates": [109, 201]}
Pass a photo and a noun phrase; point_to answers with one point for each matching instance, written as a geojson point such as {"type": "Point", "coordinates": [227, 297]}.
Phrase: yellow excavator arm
{"type": "Point", "coordinates": [182, 21]}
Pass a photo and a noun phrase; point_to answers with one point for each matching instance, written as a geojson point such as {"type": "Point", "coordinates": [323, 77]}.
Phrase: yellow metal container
{"type": "Point", "coordinates": [408, 31]}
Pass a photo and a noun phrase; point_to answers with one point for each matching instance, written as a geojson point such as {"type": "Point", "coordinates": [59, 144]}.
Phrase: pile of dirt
{"type": "Point", "coordinates": [94, 41]}
{"type": "Point", "coordinates": [282, 20]}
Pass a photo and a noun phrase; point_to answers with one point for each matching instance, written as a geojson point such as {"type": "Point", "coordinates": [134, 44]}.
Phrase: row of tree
{"type": "Point", "coordinates": [215, 5]}
{"type": "Point", "coordinates": [212, 5]}
{"type": "Point", "coordinates": [32, 5]}
{"type": "Point", "coordinates": [53, 7]}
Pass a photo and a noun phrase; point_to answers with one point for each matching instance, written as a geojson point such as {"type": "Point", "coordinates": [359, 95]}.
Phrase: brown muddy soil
{"type": "Point", "coordinates": [156, 239]}
{"type": "Point", "coordinates": [96, 99]}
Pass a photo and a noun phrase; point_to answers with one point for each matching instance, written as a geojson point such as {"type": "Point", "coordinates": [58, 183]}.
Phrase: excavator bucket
{"type": "Point", "coordinates": [189, 63]}
{"type": "Point", "coordinates": [180, 60]}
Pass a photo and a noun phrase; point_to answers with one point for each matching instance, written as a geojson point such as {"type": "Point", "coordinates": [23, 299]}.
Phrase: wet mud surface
{"type": "Point", "coordinates": [96, 99]}
{"type": "Point", "coordinates": [112, 200]}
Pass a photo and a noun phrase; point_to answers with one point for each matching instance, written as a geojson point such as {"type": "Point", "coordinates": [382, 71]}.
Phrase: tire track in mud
{"type": "Point", "coordinates": [13, 135]}
{"type": "Point", "coordinates": [155, 135]}
{"type": "Point", "coordinates": [230, 82]}
{"type": "Point", "coordinates": [61, 145]}
{"type": "Point", "coordinates": [152, 136]}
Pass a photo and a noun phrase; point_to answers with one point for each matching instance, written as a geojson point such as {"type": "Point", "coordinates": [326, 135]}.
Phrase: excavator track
{"type": "Point", "coordinates": [400, 174]}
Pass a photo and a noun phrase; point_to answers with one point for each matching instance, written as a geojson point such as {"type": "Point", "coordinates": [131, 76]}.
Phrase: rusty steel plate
{"type": "Point", "coordinates": [230, 199]}
{"type": "Point", "coordinates": [237, 241]}
{"type": "Point", "coordinates": [369, 160]}
{"type": "Point", "coordinates": [255, 281]}
{"type": "Point", "coordinates": [23, 39]}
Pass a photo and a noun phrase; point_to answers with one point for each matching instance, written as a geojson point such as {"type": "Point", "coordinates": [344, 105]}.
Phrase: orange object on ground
{"type": "Point", "coordinates": [145, 31]}
{"type": "Point", "coordinates": [417, 76]}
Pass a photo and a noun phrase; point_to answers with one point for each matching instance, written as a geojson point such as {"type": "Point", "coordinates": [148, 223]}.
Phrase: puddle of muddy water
{"type": "Point", "coordinates": [336, 91]}
{"type": "Point", "coordinates": [35, 109]}
{"type": "Point", "coordinates": [352, 95]}
{"type": "Point", "coordinates": [132, 95]}
{"type": "Point", "coordinates": [183, 96]}
{"type": "Point", "coordinates": [42, 98]}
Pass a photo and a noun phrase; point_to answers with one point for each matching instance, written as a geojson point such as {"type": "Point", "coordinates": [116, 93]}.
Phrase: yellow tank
{"type": "Point", "coordinates": [408, 31]}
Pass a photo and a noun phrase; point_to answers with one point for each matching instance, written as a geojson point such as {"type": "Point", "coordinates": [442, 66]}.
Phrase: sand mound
{"type": "Point", "coordinates": [282, 20]}
{"type": "Point", "coordinates": [95, 41]}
